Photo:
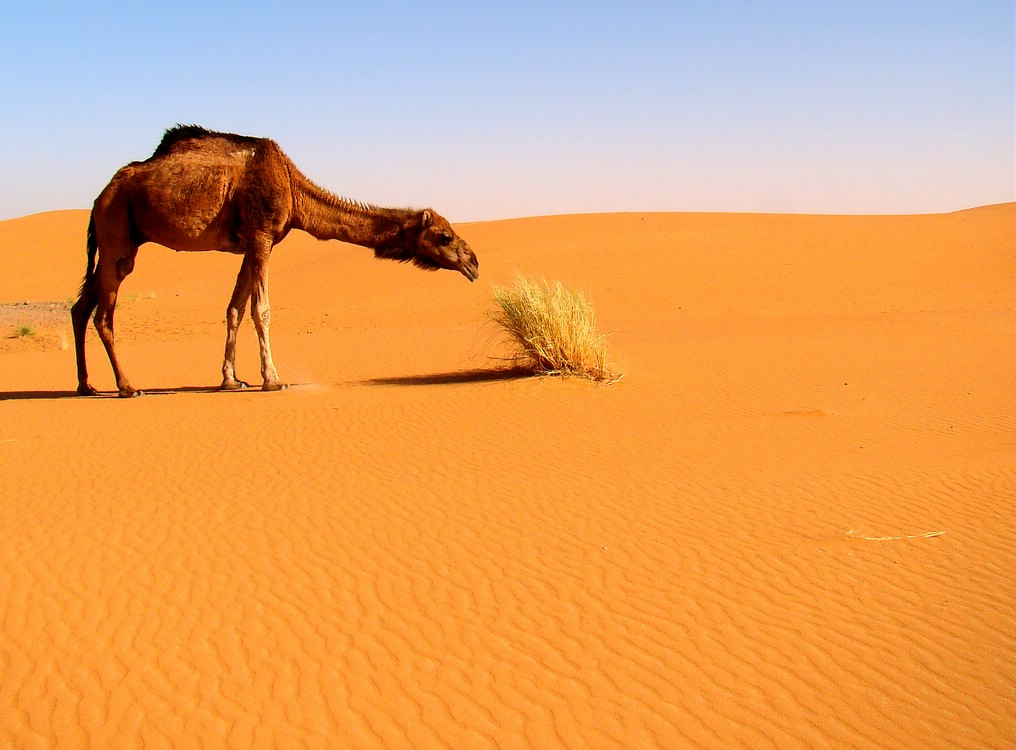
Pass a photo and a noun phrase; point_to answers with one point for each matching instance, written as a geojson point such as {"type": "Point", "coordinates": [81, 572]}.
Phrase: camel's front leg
{"type": "Point", "coordinates": [104, 327]}
{"type": "Point", "coordinates": [234, 315]}
{"type": "Point", "coordinates": [261, 312]}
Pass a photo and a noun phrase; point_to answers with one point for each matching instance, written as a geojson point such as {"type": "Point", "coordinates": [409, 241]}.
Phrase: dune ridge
{"type": "Point", "coordinates": [404, 550]}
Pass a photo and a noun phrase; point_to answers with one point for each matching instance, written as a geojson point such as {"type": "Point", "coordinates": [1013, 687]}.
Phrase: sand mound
{"type": "Point", "coordinates": [409, 550]}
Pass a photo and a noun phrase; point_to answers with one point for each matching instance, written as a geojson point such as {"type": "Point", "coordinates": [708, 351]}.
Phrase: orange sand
{"type": "Point", "coordinates": [404, 552]}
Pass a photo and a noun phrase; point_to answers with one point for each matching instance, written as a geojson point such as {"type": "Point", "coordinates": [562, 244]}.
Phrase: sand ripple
{"type": "Point", "coordinates": [301, 585]}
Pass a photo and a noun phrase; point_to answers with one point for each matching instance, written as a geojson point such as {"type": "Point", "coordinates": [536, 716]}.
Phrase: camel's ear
{"type": "Point", "coordinates": [428, 219]}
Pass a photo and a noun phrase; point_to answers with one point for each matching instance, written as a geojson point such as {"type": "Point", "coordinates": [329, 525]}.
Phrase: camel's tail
{"type": "Point", "coordinates": [93, 248]}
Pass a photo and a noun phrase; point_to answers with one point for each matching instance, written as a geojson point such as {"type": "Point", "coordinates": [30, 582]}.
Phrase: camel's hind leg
{"type": "Point", "coordinates": [80, 313]}
{"type": "Point", "coordinates": [234, 314]}
{"type": "Point", "coordinates": [109, 277]}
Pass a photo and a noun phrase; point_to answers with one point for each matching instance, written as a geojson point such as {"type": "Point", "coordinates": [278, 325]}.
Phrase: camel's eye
{"type": "Point", "coordinates": [444, 240]}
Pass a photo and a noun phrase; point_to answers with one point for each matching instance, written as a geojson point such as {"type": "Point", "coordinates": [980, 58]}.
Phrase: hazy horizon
{"type": "Point", "coordinates": [532, 109]}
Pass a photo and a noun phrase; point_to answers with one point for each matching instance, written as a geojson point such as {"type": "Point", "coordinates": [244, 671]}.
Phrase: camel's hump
{"type": "Point", "coordinates": [193, 134]}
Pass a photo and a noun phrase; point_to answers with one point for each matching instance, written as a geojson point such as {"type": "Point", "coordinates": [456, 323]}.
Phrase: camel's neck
{"type": "Point", "coordinates": [328, 217]}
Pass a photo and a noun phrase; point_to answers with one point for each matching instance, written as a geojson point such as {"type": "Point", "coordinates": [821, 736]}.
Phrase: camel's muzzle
{"type": "Point", "coordinates": [469, 265]}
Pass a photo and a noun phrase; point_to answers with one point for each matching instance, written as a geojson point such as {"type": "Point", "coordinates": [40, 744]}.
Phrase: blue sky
{"type": "Point", "coordinates": [498, 110]}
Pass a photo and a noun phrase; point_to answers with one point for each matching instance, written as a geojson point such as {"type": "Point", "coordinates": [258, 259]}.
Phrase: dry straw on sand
{"type": "Point", "coordinates": [856, 534]}
{"type": "Point", "coordinates": [552, 330]}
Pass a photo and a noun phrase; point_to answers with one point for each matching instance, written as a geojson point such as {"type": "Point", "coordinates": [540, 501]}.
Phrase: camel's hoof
{"type": "Point", "coordinates": [130, 393]}
{"type": "Point", "coordinates": [87, 390]}
{"type": "Point", "coordinates": [274, 386]}
{"type": "Point", "coordinates": [233, 385]}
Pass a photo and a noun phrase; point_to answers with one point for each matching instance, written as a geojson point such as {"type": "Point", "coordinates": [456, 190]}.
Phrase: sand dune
{"type": "Point", "coordinates": [404, 550]}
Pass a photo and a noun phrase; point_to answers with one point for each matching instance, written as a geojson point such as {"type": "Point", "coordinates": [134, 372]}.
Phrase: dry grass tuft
{"type": "Point", "coordinates": [552, 330]}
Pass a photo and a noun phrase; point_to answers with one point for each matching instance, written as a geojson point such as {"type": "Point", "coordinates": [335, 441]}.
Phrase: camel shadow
{"type": "Point", "coordinates": [459, 377]}
{"type": "Point", "coordinates": [51, 395]}
{"type": "Point", "coordinates": [36, 395]}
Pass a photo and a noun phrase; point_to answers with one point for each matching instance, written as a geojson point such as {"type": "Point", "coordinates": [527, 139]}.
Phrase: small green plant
{"type": "Point", "coordinates": [136, 297]}
{"type": "Point", "coordinates": [25, 331]}
{"type": "Point", "coordinates": [551, 330]}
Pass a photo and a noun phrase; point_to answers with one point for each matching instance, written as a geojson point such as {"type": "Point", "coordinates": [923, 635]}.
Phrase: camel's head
{"type": "Point", "coordinates": [440, 247]}
{"type": "Point", "coordinates": [431, 244]}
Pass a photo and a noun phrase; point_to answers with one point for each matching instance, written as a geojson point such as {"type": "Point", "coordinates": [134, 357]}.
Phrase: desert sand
{"type": "Point", "coordinates": [791, 525]}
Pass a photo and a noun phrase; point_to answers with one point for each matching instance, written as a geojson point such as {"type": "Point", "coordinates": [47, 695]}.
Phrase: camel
{"type": "Point", "coordinates": [202, 190]}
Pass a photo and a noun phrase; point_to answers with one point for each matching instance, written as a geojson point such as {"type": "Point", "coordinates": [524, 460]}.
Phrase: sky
{"type": "Point", "coordinates": [499, 110]}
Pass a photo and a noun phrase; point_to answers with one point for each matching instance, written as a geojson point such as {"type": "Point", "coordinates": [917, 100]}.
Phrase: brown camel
{"type": "Point", "coordinates": [203, 190]}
